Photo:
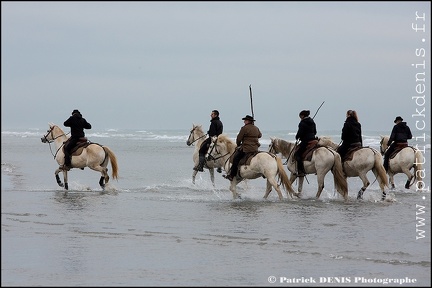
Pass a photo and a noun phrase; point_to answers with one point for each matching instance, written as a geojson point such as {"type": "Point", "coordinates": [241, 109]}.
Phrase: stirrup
{"type": "Point", "coordinates": [229, 177]}
{"type": "Point", "coordinates": [65, 167]}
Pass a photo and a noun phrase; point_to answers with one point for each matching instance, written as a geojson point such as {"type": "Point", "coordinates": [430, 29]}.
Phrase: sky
{"type": "Point", "coordinates": [167, 65]}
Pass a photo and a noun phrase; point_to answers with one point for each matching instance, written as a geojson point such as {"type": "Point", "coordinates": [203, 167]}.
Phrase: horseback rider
{"type": "Point", "coordinates": [216, 128]}
{"type": "Point", "coordinates": [247, 142]}
{"type": "Point", "coordinates": [77, 124]}
{"type": "Point", "coordinates": [306, 132]}
{"type": "Point", "coordinates": [399, 134]}
{"type": "Point", "coordinates": [351, 134]}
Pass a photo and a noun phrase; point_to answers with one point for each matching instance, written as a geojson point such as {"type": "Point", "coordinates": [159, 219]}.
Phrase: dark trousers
{"type": "Point", "coordinates": [342, 150]}
{"type": "Point", "coordinates": [68, 149]}
{"type": "Point", "coordinates": [298, 156]}
{"type": "Point", "coordinates": [239, 154]}
{"type": "Point", "coordinates": [387, 154]}
{"type": "Point", "coordinates": [204, 147]}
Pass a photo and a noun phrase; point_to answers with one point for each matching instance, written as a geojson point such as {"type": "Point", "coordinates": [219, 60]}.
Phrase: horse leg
{"type": "Point", "coordinates": [234, 190]}
{"type": "Point", "coordinates": [65, 178]}
{"type": "Point", "coordinates": [365, 185]}
{"type": "Point", "coordinates": [211, 170]}
{"type": "Point", "coordinates": [391, 180]}
{"type": "Point", "coordinates": [271, 182]}
{"type": "Point", "coordinates": [194, 173]}
{"type": "Point", "coordinates": [58, 178]}
{"type": "Point", "coordinates": [320, 178]}
{"type": "Point", "coordinates": [104, 178]}
{"type": "Point", "coordinates": [409, 175]}
{"type": "Point", "coordinates": [268, 189]}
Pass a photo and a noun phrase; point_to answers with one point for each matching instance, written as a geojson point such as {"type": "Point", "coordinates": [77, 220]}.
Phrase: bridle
{"type": "Point", "coordinates": [191, 132]}
{"type": "Point", "coordinates": [52, 140]}
{"type": "Point", "coordinates": [213, 146]}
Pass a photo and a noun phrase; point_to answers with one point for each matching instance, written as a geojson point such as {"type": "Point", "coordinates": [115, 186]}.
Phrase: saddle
{"type": "Point", "coordinates": [349, 155]}
{"type": "Point", "coordinates": [398, 148]}
{"type": "Point", "coordinates": [247, 158]}
{"type": "Point", "coordinates": [81, 144]}
{"type": "Point", "coordinates": [310, 148]}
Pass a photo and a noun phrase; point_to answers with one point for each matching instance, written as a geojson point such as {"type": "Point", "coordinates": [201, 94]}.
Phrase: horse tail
{"type": "Point", "coordinates": [379, 170]}
{"type": "Point", "coordinates": [283, 177]}
{"type": "Point", "coordinates": [113, 160]}
{"type": "Point", "coordinates": [418, 168]}
{"type": "Point", "coordinates": [340, 180]}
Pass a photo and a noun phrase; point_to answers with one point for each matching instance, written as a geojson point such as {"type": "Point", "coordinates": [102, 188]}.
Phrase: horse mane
{"type": "Point", "coordinates": [284, 146]}
{"type": "Point", "coordinates": [327, 141]}
{"type": "Point", "coordinates": [198, 128]}
{"type": "Point", "coordinates": [224, 139]}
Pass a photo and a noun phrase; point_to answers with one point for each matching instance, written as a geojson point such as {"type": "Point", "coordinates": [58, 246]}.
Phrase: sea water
{"type": "Point", "coordinates": [153, 227]}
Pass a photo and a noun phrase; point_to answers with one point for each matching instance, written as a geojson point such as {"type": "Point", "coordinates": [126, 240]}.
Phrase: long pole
{"type": "Point", "coordinates": [250, 93]}
{"type": "Point", "coordinates": [318, 110]}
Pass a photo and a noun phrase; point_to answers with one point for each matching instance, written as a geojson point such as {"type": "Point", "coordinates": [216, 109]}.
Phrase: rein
{"type": "Point", "coordinates": [52, 140]}
{"type": "Point", "coordinates": [212, 157]}
{"type": "Point", "coordinates": [197, 138]}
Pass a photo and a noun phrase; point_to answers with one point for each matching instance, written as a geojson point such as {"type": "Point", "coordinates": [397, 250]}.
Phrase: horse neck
{"type": "Point", "coordinates": [60, 138]}
{"type": "Point", "coordinates": [227, 149]}
{"type": "Point", "coordinates": [285, 148]}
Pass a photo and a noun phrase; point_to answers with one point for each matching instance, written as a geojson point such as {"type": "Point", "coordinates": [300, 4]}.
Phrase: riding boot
{"type": "Point", "coordinates": [67, 162]}
{"type": "Point", "coordinates": [300, 169]}
{"type": "Point", "coordinates": [386, 164]}
{"type": "Point", "coordinates": [200, 166]}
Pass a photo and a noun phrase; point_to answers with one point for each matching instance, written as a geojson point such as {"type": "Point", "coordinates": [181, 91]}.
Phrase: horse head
{"type": "Point", "coordinates": [52, 134]}
{"type": "Point", "coordinates": [383, 144]}
{"type": "Point", "coordinates": [195, 134]}
{"type": "Point", "coordinates": [272, 144]}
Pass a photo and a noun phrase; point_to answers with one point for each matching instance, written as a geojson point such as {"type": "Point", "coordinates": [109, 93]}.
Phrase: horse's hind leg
{"type": "Point", "coordinates": [320, 179]}
{"type": "Point", "coordinates": [409, 175]}
{"type": "Point", "coordinates": [268, 190]}
{"type": "Point", "coordinates": [365, 185]}
{"type": "Point", "coordinates": [271, 182]}
{"type": "Point", "coordinates": [58, 178]}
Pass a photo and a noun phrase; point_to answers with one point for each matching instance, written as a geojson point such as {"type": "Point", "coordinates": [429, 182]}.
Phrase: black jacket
{"type": "Point", "coordinates": [77, 124]}
{"type": "Point", "coordinates": [351, 131]}
{"type": "Point", "coordinates": [216, 127]}
{"type": "Point", "coordinates": [400, 133]}
{"type": "Point", "coordinates": [306, 130]}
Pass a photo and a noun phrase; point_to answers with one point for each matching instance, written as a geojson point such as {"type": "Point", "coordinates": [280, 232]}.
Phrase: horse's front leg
{"type": "Point", "coordinates": [58, 177]}
{"type": "Point", "coordinates": [212, 177]}
{"type": "Point", "coordinates": [194, 173]}
{"type": "Point", "coordinates": [233, 188]}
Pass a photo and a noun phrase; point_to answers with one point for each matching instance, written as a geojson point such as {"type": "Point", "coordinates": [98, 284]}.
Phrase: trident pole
{"type": "Point", "coordinates": [250, 93]}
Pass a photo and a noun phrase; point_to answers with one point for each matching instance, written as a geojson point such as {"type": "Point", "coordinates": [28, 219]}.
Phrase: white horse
{"type": "Point", "coordinates": [362, 161]}
{"type": "Point", "coordinates": [94, 156]}
{"type": "Point", "coordinates": [406, 159]}
{"type": "Point", "coordinates": [263, 164]}
{"type": "Point", "coordinates": [198, 136]}
{"type": "Point", "coordinates": [323, 160]}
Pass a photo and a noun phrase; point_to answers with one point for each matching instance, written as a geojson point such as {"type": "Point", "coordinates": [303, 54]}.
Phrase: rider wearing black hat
{"type": "Point", "coordinates": [247, 142]}
{"type": "Point", "coordinates": [77, 124]}
{"type": "Point", "coordinates": [306, 132]}
{"type": "Point", "coordinates": [400, 134]}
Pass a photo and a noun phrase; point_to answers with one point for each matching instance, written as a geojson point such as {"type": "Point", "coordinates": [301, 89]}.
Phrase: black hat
{"type": "Point", "coordinates": [248, 117]}
{"type": "Point", "coordinates": [75, 111]}
{"type": "Point", "coordinates": [305, 113]}
{"type": "Point", "coordinates": [398, 118]}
